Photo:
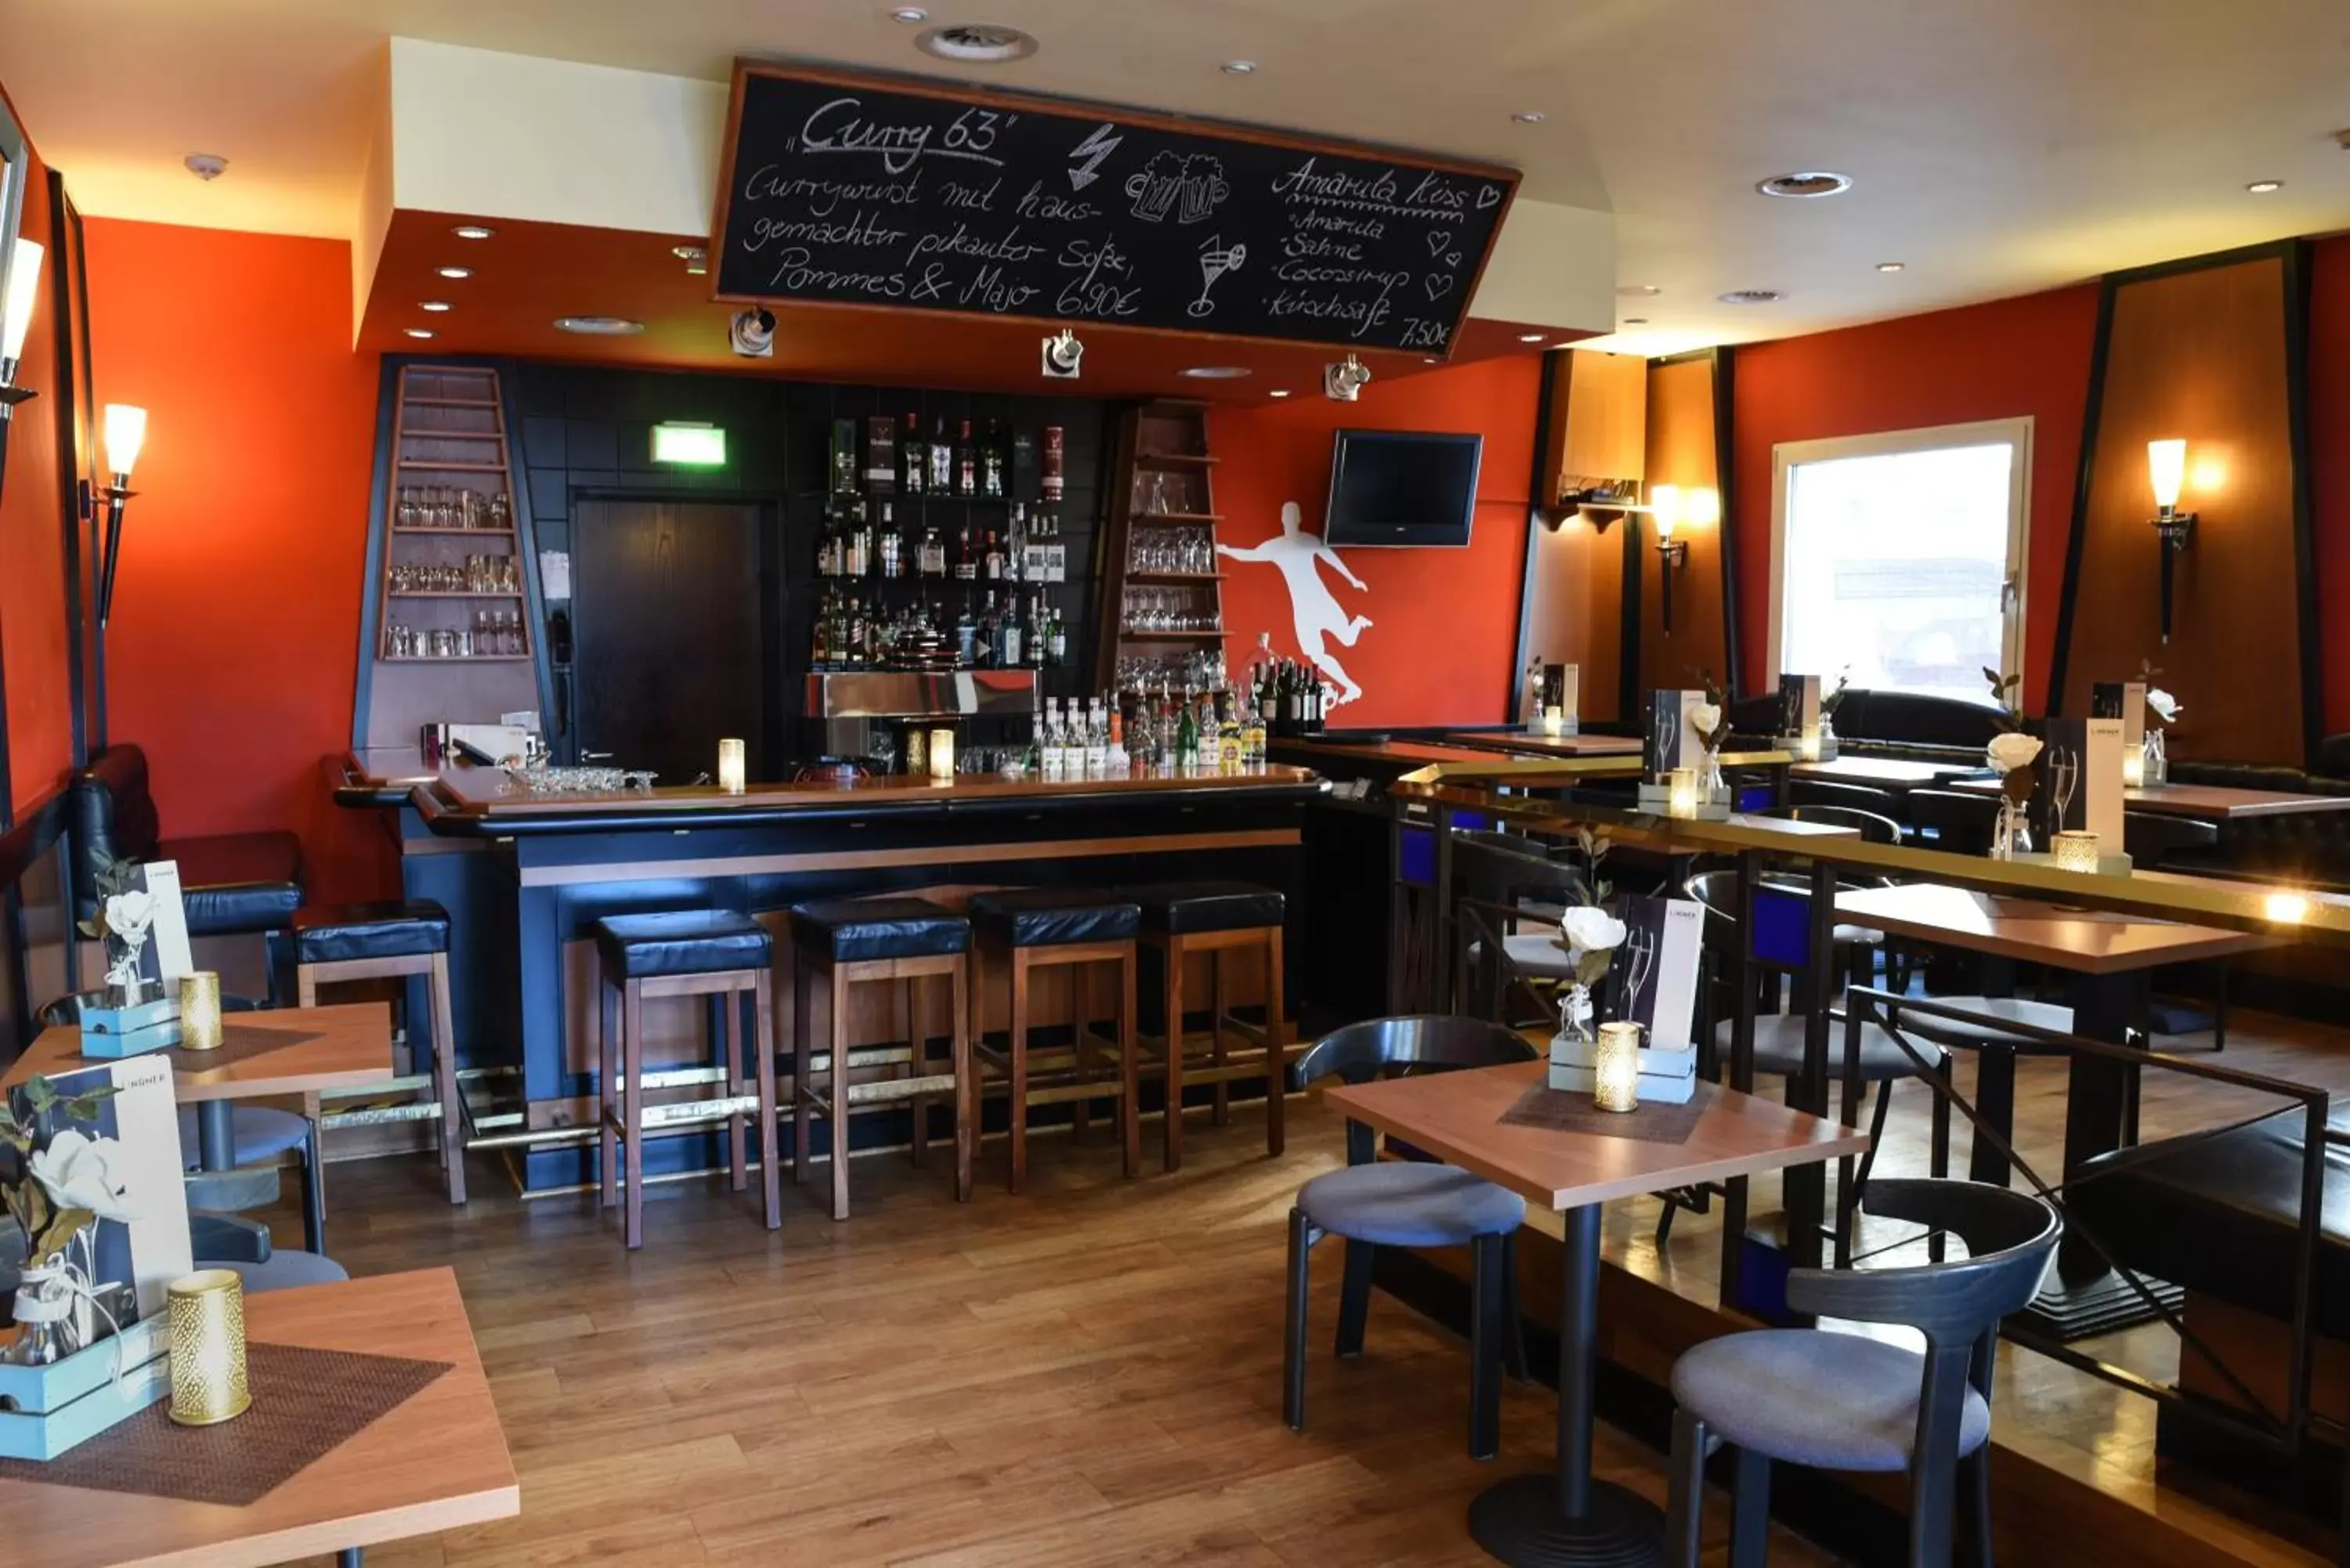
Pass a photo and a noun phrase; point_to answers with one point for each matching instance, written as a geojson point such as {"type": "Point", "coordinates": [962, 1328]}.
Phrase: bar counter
{"type": "Point", "coordinates": [525, 875]}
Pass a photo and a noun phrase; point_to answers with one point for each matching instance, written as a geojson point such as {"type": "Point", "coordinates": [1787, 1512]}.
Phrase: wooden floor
{"type": "Point", "coordinates": [1088, 1373]}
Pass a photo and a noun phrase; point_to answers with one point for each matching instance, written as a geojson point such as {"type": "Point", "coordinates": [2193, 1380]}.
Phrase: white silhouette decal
{"type": "Point", "coordinates": [1314, 609]}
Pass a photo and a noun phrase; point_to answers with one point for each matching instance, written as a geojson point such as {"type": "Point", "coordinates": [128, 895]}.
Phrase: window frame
{"type": "Point", "coordinates": [2016, 432]}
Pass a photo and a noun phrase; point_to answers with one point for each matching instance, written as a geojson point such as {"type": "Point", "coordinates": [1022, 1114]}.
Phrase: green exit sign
{"type": "Point", "coordinates": [689, 446]}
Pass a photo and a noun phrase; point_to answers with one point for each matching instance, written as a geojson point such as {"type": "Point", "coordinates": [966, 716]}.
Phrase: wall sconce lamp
{"type": "Point", "coordinates": [125, 433]}
{"type": "Point", "coordinates": [1665, 506]}
{"type": "Point", "coordinates": [15, 322]}
{"type": "Point", "coordinates": [2166, 466]}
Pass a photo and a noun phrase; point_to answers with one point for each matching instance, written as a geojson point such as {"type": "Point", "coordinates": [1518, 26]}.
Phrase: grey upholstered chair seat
{"type": "Point", "coordinates": [1831, 1401]}
{"type": "Point", "coordinates": [1999, 1009]}
{"type": "Point", "coordinates": [1536, 955]}
{"type": "Point", "coordinates": [263, 1133]}
{"type": "Point", "coordinates": [284, 1270]}
{"type": "Point", "coordinates": [1778, 1048]}
{"type": "Point", "coordinates": [1409, 1203]}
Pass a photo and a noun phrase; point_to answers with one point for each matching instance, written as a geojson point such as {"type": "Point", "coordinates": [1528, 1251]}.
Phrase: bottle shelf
{"type": "Point", "coordinates": [1174, 517]}
{"type": "Point", "coordinates": [450, 435]}
{"type": "Point", "coordinates": [450, 402]}
{"type": "Point", "coordinates": [1176, 459]}
{"type": "Point", "coordinates": [1125, 636]}
{"type": "Point", "coordinates": [1150, 579]}
{"type": "Point", "coordinates": [471, 533]}
{"type": "Point", "coordinates": [449, 594]}
{"type": "Point", "coordinates": [455, 659]}
{"type": "Point", "coordinates": [452, 467]}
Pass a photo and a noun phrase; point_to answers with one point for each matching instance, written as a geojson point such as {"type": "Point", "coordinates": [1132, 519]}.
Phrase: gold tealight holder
{"type": "Point", "coordinates": [1616, 1067]}
{"type": "Point", "coordinates": [1680, 793]}
{"type": "Point", "coordinates": [1807, 746]}
{"type": "Point", "coordinates": [207, 1328]}
{"type": "Point", "coordinates": [2072, 850]}
{"type": "Point", "coordinates": [730, 766]}
{"type": "Point", "coordinates": [2134, 766]}
{"type": "Point", "coordinates": [942, 756]}
{"type": "Point", "coordinates": [200, 1012]}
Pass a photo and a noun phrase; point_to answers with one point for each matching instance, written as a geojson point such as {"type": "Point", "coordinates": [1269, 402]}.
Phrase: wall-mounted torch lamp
{"type": "Point", "coordinates": [1665, 506]}
{"type": "Point", "coordinates": [125, 433]}
{"type": "Point", "coordinates": [15, 322]}
{"type": "Point", "coordinates": [2166, 466]}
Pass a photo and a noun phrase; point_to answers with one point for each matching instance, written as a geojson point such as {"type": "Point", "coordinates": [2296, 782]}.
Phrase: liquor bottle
{"type": "Point", "coordinates": [880, 456]}
{"type": "Point", "coordinates": [815, 633]}
{"type": "Point", "coordinates": [1038, 651]}
{"type": "Point", "coordinates": [889, 547]}
{"type": "Point", "coordinates": [860, 542]}
{"type": "Point", "coordinates": [1186, 739]}
{"type": "Point", "coordinates": [913, 457]}
{"type": "Point", "coordinates": [1316, 699]}
{"type": "Point", "coordinates": [941, 459]}
{"type": "Point", "coordinates": [932, 561]}
{"type": "Point", "coordinates": [1056, 743]}
{"type": "Point", "coordinates": [1008, 648]}
{"type": "Point", "coordinates": [966, 638]}
{"type": "Point", "coordinates": [843, 457]}
{"type": "Point", "coordinates": [966, 462]}
{"type": "Point", "coordinates": [1056, 639]}
{"type": "Point", "coordinates": [1049, 482]}
{"type": "Point", "coordinates": [1251, 732]}
{"type": "Point", "coordinates": [1115, 764]}
{"type": "Point", "coordinates": [966, 567]}
{"type": "Point", "coordinates": [853, 648]}
{"type": "Point", "coordinates": [993, 565]}
{"type": "Point", "coordinates": [1015, 568]}
{"type": "Point", "coordinates": [1228, 753]}
{"type": "Point", "coordinates": [991, 463]}
{"type": "Point", "coordinates": [1097, 739]}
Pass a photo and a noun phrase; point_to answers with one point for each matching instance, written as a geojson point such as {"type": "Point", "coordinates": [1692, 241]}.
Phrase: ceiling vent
{"type": "Point", "coordinates": [976, 43]}
{"type": "Point", "coordinates": [1753, 297]}
{"type": "Point", "coordinates": [1811, 183]}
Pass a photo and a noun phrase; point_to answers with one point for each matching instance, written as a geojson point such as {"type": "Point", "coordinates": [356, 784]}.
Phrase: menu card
{"type": "Point", "coordinates": [1672, 740]}
{"type": "Point", "coordinates": [2125, 701]}
{"type": "Point", "coordinates": [1799, 705]}
{"type": "Point", "coordinates": [2078, 780]}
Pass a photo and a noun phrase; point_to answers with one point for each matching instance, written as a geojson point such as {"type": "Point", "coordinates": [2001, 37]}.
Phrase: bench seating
{"type": "Point", "coordinates": [234, 883]}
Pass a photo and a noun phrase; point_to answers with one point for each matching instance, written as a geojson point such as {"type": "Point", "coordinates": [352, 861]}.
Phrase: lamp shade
{"type": "Point", "coordinates": [16, 311]}
{"type": "Point", "coordinates": [1665, 506]}
{"type": "Point", "coordinates": [2166, 466]}
{"type": "Point", "coordinates": [125, 433]}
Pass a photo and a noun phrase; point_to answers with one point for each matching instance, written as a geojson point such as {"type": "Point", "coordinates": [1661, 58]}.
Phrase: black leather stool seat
{"type": "Point", "coordinates": [341, 934]}
{"type": "Point", "coordinates": [236, 883]}
{"type": "Point", "coordinates": [1181, 908]}
{"type": "Point", "coordinates": [851, 931]}
{"type": "Point", "coordinates": [1055, 917]}
{"type": "Point", "coordinates": [680, 942]}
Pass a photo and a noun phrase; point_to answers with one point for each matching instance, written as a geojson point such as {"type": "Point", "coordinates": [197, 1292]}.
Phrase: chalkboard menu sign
{"type": "Point", "coordinates": [850, 189]}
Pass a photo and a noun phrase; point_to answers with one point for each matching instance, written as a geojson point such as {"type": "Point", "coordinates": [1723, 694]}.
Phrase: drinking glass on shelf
{"type": "Point", "coordinates": [501, 511]}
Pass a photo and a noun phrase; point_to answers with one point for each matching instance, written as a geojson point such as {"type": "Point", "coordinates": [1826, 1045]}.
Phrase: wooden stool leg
{"type": "Point", "coordinates": [1222, 1116]}
{"type": "Point", "coordinates": [725, 1024]}
{"type": "Point", "coordinates": [966, 1077]}
{"type": "Point", "coordinates": [1174, 984]}
{"type": "Point", "coordinates": [763, 1040]}
{"type": "Point", "coordinates": [918, 1048]}
{"type": "Point", "coordinates": [1129, 1065]}
{"type": "Point", "coordinates": [633, 1108]}
{"type": "Point", "coordinates": [607, 1087]}
{"type": "Point", "coordinates": [444, 1081]}
{"type": "Point", "coordinates": [1019, 1054]}
{"type": "Point", "coordinates": [1081, 997]}
{"type": "Point", "coordinates": [803, 1053]}
{"type": "Point", "coordinates": [836, 1132]}
{"type": "Point", "coordinates": [1277, 1057]}
{"type": "Point", "coordinates": [305, 985]}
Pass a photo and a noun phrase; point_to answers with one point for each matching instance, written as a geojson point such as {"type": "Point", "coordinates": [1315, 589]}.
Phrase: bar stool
{"type": "Point", "coordinates": [388, 940]}
{"type": "Point", "coordinates": [1216, 918]}
{"type": "Point", "coordinates": [1071, 929]}
{"type": "Point", "coordinates": [711, 953]}
{"type": "Point", "coordinates": [843, 942]}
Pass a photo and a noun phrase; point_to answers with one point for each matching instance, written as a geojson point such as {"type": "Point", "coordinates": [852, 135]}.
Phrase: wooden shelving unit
{"type": "Point", "coordinates": [1161, 450]}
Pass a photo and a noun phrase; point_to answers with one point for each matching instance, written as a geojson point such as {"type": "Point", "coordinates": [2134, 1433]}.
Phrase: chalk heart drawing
{"type": "Point", "coordinates": [1314, 609]}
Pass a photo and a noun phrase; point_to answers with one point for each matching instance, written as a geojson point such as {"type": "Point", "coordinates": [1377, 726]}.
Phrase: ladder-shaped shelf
{"type": "Point", "coordinates": [1162, 599]}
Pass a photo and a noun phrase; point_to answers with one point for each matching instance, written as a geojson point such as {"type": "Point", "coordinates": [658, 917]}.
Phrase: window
{"type": "Point", "coordinates": [1899, 558]}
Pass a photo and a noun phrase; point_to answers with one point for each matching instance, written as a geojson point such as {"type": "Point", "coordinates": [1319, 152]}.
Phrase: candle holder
{"type": "Point", "coordinates": [2072, 850]}
{"type": "Point", "coordinates": [2134, 766]}
{"type": "Point", "coordinates": [207, 1329]}
{"type": "Point", "coordinates": [1616, 1067]}
{"type": "Point", "coordinates": [942, 756]}
{"type": "Point", "coordinates": [730, 766]}
{"type": "Point", "coordinates": [1680, 793]}
{"type": "Point", "coordinates": [1807, 746]}
{"type": "Point", "coordinates": [200, 1012]}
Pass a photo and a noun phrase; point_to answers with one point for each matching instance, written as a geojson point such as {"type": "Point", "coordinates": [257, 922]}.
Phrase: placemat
{"type": "Point", "coordinates": [1562, 1110]}
{"type": "Point", "coordinates": [306, 1403]}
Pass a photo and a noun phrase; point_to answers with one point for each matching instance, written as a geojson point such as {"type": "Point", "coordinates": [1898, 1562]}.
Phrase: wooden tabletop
{"type": "Point", "coordinates": [1880, 773]}
{"type": "Point", "coordinates": [1457, 1117]}
{"type": "Point", "coordinates": [1547, 745]}
{"type": "Point", "coordinates": [2216, 803]}
{"type": "Point", "coordinates": [1793, 828]}
{"type": "Point", "coordinates": [284, 1051]}
{"type": "Point", "coordinates": [434, 1463]}
{"type": "Point", "coordinates": [1367, 749]}
{"type": "Point", "coordinates": [2089, 942]}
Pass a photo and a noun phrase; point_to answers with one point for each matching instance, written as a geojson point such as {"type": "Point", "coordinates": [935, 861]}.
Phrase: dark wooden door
{"type": "Point", "coordinates": [667, 603]}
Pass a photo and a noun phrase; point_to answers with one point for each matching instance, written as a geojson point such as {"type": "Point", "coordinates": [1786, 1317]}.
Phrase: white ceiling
{"type": "Point", "coordinates": [1997, 146]}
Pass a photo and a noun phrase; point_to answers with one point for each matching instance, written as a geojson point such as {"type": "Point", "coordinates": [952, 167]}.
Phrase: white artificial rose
{"type": "Point", "coordinates": [1590, 928]}
{"type": "Point", "coordinates": [2165, 706]}
{"type": "Point", "coordinates": [128, 915]}
{"type": "Point", "coordinates": [2013, 751]}
{"type": "Point", "coordinates": [1706, 716]}
{"type": "Point", "coordinates": [78, 1172]}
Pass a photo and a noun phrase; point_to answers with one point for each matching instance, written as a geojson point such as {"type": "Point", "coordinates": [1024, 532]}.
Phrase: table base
{"type": "Point", "coordinates": [2082, 1309]}
{"type": "Point", "coordinates": [1518, 1521]}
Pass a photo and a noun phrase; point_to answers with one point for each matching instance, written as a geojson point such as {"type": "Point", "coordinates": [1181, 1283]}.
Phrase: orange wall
{"type": "Point", "coordinates": [237, 601]}
{"type": "Point", "coordinates": [32, 546]}
{"type": "Point", "coordinates": [1444, 622]}
{"type": "Point", "coordinates": [2010, 357]}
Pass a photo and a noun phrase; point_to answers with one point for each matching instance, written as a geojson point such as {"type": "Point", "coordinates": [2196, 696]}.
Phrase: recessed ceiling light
{"type": "Point", "coordinates": [1809, 182]}
{"type": "Point", "coordinates": [2263, 187]}
{"type": "Point", "coordinates": [1530, 117]}
{"type": "Point", "coordinates": [205, 166]}
{"type": "Point", "coordinates": [696, 269]}
{"type": "Point", "coordinates": [420, 332]}
{"type": "Point", "coordinates": [1430, 359]}
{"type": "Point", "coordinates": [689, 253]}
{"type": "Point", "coordinates": [1216, 372]}
{"type": "Point", "coordinates": [1636, 321]}
{"type": "Point", "coordinates": [472, 232]}
{"type": "Point", "coordinates": [1530, 337]}
{"type": "Point", "coordinates": [435, 305]}
{"type": "Point", "coordinates": [1280, 393]}
{"type": "Point", "coordinates": [1753, 297]}
{"type": "Point", "coordinates": [1637, 290]}
{"type": "Point", "coordinates": [1890, 266]}
{"type": "Point", "coordinates": [1240, 67]}
{"type": "Point", "coordinates": [909, 15]}
{"type": "Point", "coordinates": [454, 272]}
{"type": "Point", "coordinates": [976, 43]}
{"type": "Point", "coordinates": [599, 325]}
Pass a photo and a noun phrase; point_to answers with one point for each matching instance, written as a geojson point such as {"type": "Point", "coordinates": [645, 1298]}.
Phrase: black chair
{"type": "Point", "coordinates": [1874, 827]}
{"type": "Point", "coordinates": [1856, 797]}
{"type": "Point", "coordinates": [1960, 821]}
{"type": "Point", "coordinates": [1497, 881]}
{"type": "Point", "coordinates": [233, 884]}
{"type": "Point", "coordinates": [1838, 1401]}
{"type": "Point", "coordinates": [1379, 1203]}
{"type": "Point", "coordinates": [243, 1247]}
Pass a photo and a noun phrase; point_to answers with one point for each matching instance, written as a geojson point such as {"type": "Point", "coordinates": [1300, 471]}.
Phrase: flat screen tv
{"type": "Point", "coordinates": [1402, 487]}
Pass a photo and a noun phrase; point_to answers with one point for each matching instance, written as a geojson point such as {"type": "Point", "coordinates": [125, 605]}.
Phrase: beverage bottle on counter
{"type": "Point", "coordinates": [941, 480]}
{"type": "Point", "coordinates": [889, 547]}
{"type": "Point", "coordinates": [1229, 752]}
{"type": "Point", "coordinates": [966, 639]}
{"type": "Point", "coordinates": [1057, 755]}
{"type": "Point", "coordinates": [966, 462]}
{"type": "Point", "coordinates": [913, 457]}
{"type": "Point", "coordinates": [1097, 739]}
{"type": "Point", "coordinates": [991, 463]}
{"type": "Point", "coordinates": [932, 560]}
{"type": "Point", "coordinates": [1048, 484]}
{"type": "Point", "coordinates": [1251, 732]}
{"type": "Point", "coordinates": [1186, 739]}
{"type": "Point", "coordinates": [966, 567]}
{"type": "Point", "coordinates": [1115, 762]}
{"type": "Point", "coordinates": [1317, 697]}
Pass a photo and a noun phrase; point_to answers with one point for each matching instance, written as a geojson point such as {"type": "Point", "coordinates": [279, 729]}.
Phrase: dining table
{"type": "Point", "coordinates": [1556, 1148]}
{"type": "Point", "coordinates": [1895, 774]}
{"type": "Point", "coordinates": [2212, 803]}
{"type": "Point", "coordinates": [1535, 743]}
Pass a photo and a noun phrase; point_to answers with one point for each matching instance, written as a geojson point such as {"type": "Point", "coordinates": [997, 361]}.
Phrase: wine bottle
{"type": "Point", "coordinates": [914, 457]}
{"type": "Point", "coordinates": [942, 453]}
{"type": "Point", "coordinates": [966, 462]}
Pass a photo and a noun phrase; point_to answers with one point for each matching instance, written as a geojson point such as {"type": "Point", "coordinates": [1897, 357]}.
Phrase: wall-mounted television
{"type": "Point", "coordinates": [1402, 487]}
